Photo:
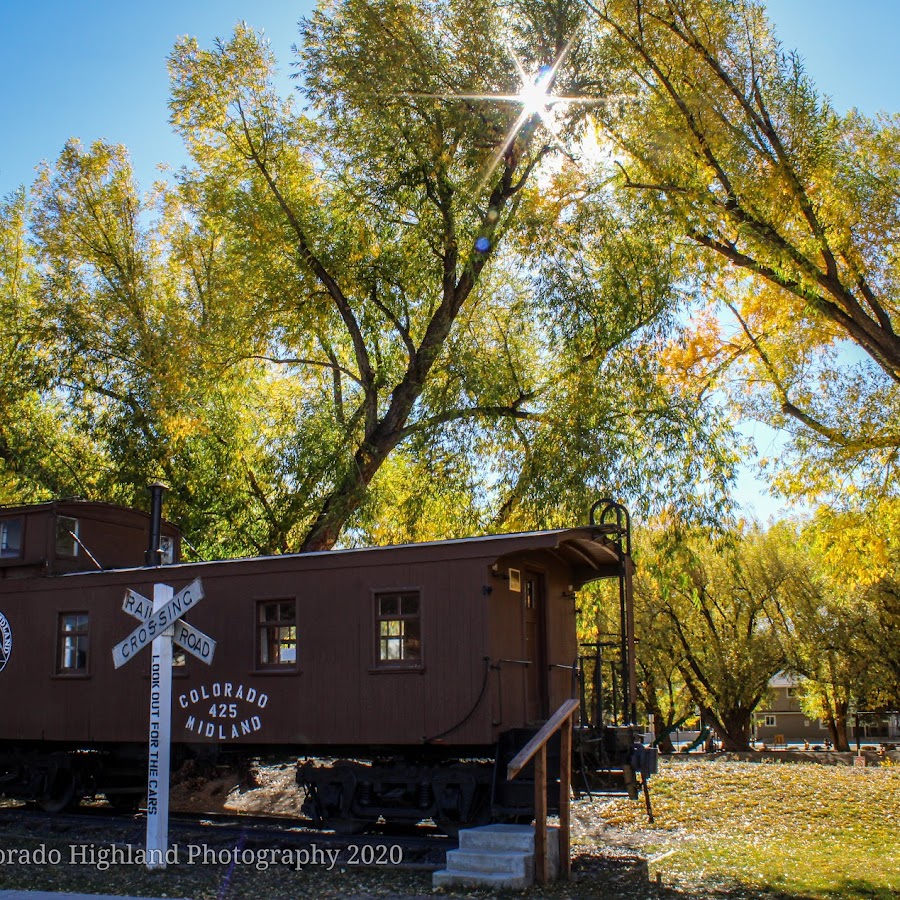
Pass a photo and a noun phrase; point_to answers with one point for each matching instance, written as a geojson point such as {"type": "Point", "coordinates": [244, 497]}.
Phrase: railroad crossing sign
{"type": "Point", "coordinates": [191, 639]}
{"type": "Point", "coordinates": [161, 624]}
{"type": "Point", "coordinates": [156, 621]}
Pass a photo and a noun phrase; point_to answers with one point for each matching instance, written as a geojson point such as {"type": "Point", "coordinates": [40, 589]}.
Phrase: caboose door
{"type": "Point", "coordinates": [536, 693]}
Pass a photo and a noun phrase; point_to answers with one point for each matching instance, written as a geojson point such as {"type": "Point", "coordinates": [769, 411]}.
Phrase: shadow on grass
{"type": "Point", "coordinates": [627, 877]}
{"type": "Point", "coordinates": [858, 888]}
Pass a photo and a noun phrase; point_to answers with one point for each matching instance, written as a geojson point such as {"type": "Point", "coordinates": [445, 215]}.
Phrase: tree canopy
{"type": "Point", "coordinates": [717, 604]}
{"type": "Point", "coordinates": [792, 211]}
{"type": "Point", "coordinates": [408, 302]}
{"type": "Point", "coordinates": [380, 300]}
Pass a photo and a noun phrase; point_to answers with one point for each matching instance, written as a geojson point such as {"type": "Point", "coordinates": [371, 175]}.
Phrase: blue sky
{"type": "Point", "coordinates": [97, 69]}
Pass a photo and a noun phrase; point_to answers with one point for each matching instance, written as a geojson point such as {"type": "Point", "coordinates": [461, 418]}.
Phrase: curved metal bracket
{"type": "Point", "coordinates": [614, 518]}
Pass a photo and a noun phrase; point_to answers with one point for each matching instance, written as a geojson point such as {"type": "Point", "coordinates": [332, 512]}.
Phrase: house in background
{"type": "Point", "coordinates": [783, 719]}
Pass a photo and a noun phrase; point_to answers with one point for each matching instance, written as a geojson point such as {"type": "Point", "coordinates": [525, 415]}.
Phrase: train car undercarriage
{"type": "Point", "coordinates": [349, 795]}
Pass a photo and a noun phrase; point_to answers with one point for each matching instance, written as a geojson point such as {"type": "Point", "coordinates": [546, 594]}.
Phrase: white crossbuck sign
{"type": "Point", "coordinates": [161, 625]}
{"type": "Point", "coordinates": [155, 623]}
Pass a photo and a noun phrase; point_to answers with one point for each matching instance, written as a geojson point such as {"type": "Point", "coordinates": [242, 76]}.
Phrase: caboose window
{"type": "Point", "coordinates": [10, 538]}
{"type": "Point", "coordinates": [398, 629]}
{"type": "Point", "coordinates": [73, 643]}
{"type": "Point", "coordinates": [276, 633]}
{"type": "Point", "coordinates": [66, 533]}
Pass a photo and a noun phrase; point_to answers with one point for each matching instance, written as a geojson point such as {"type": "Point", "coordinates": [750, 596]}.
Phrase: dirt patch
{"type": "Point", "coordinates": [259, 789]}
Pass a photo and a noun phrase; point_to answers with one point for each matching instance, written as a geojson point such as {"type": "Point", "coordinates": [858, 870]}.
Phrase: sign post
{"type": "Point", "coordinates": [161, 624]}
{"type": "Point", "coordinates": [160, 738]}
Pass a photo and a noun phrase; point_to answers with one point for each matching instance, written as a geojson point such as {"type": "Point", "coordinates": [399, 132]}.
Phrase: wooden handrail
{"type": "Point", "coordinates": [523, 757]}
{"type": "Point", "coordinates": [537, 748]}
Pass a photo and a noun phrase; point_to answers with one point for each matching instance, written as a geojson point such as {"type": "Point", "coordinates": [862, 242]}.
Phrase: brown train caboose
{"type": "Point", "coordinates": [413, 662]}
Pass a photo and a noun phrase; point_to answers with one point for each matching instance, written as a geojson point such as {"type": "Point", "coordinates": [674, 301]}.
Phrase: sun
{"type": "Point", "coordinates": [535, 97]}
{"type": "Point", "coordinates": [534, 94]}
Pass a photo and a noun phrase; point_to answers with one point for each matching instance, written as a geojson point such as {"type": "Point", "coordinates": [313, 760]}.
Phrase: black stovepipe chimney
{"type": "Point", "coordinates": [154, 552]}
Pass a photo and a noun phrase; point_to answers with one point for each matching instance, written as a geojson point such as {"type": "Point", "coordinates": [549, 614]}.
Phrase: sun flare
{"type": "Point", "coordinates": [535, 97]}
{"type": "Point", "coordinates": [534, 94]}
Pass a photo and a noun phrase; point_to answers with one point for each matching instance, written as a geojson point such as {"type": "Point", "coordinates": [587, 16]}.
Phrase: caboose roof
{"type": "Point", "coordinates": [74, 505]}
{"type": "Point", "coordinates": [586, 549]}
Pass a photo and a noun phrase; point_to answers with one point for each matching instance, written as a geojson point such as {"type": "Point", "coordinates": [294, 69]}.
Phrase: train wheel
{"type": "Point", "coordinates": [59, 792]}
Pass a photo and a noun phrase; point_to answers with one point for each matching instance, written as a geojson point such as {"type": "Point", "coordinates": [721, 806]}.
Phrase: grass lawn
{"type": "Point", "coordinates": [801, 830]}
{"type": "Point", "coordinates": [724, 830]}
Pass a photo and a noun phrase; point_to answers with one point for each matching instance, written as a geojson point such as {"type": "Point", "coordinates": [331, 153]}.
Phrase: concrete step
{"type": "Point", "coordinates": [496, 856]}
{"type": "Point", "coordinates": [449, 878]}
{"type": "Point", "coordinates": [519, 838]}
{"type": "Point", "coordinates": [497, 861]}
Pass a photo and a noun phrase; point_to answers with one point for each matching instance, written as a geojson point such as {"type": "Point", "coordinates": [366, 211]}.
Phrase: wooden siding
{"type": "Point", "coordinates": [335, 695]}
{"type": "Point", "coordinates": [115, 536]}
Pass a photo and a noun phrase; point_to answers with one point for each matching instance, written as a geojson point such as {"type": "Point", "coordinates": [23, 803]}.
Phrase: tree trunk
{"type": "Point", "coordinates": [339, 506]}
{"type": "Point", "coordinates": [348, 496]}
{"type": "Point", "coordinates": [831, 725]}
{"type": "Point", "coordinates": [841, 741]}
{"type": "Point", "coordinates": [835, 719]}
{"type": "Point", "coordinates": [734, 729]}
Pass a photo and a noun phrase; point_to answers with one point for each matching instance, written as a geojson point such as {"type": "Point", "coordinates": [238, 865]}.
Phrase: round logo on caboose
{"type": "Point", "coordinates": [5, 641]}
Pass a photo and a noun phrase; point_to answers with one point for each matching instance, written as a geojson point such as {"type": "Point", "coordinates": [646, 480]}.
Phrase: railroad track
{"type": "Point", "coordinates": [421, 846]}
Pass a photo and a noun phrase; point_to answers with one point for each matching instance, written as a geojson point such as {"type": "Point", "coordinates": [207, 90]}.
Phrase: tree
{"type": "Point", "coordinates": [372, 321]}
{"type": "Point", "coordinates": [792, 212]}
{"type": "Point", "coordinates": [880, 628]}
{"type": "Point", "coordinates": [128, 304]}
{"type": "Point", "coordinates": [854, 553]}
{"type": "Point", "coordinates": [716, 600]}
{"type": "Point", "coordinates": [375, 296]}
{"type": "Point", "coordinates": [819, 627]}
{"type": "Point", "coordinates": [661, 687]}
{"type": "Point", "coordinates": [41, 454]}
{"type": "Point", "coordinates": [402, 221]}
